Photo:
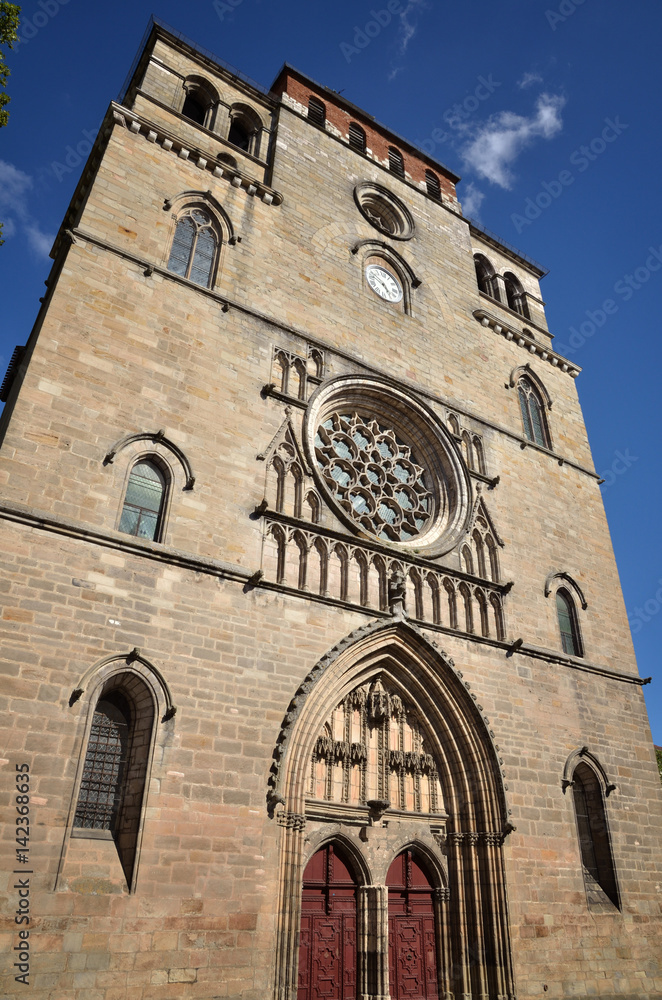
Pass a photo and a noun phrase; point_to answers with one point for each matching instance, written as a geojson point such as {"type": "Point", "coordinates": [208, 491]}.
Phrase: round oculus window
{"type": "Point", "coordinates": [386, 465]}
{"type": "Point", "coordinates": [383, 283]}
{"type": "Point", "coordinates": [373, 475]}
{"type": "Point", "coordinates": [384, 211]}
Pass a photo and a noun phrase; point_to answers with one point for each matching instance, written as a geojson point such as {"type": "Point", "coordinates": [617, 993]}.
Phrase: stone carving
{"type": "Point", "coordinates": [373, 744]}
{"type": "Point", "coordinates": [374, 476]}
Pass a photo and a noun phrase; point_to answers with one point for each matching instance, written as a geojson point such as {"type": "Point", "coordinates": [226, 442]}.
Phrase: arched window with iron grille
{"type": "Point", "coordinates": [102, 784]}
{"type": "Point", "coordinates": [113, 781]}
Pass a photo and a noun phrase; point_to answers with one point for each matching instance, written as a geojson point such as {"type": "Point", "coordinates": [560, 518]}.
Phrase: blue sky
{"type": "Point", "coordinates": [550, 111]}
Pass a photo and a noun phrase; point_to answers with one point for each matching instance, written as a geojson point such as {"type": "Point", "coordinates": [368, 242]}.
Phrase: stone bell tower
{"type": "Point", "coordinates": [317, 678]}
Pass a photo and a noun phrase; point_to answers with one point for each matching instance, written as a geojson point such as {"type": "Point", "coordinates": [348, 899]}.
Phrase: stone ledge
{"type": "Point", "coordinates": [528, 342]}
{"type": "Point", "coordinates": [22, 514]}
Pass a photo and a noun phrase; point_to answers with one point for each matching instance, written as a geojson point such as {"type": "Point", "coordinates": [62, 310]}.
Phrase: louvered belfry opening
{"type": "Point", "coordinates": [432, 184]}
{"type": "Point", "coordinates": [316, 112]}
{"type": "Point", "coordinates": [396, 163]}
{"type": "Point", "coordinates": [357, 137]}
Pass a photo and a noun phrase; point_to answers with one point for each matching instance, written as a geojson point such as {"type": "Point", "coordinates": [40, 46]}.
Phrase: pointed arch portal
{"type": "Point", "coordinates": [386, 761]}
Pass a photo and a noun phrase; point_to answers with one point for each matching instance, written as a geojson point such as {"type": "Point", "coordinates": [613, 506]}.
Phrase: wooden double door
{"type": "Point", "coordinates": [328, 955]}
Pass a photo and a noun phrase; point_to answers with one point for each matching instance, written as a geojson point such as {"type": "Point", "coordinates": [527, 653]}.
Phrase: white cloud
{"type": "Point", "coordinates": [472, 199]}
{"type": "Point", "coordinates": [408, 29]}
{"type": "Point", "coordinates": [14, 210]}
{"type": "Point", "coordinates": [498, 142]}
{"type": "Point", "coordinates": [40, 242]}
{"type": "Point", "coordinates": [528, 80]}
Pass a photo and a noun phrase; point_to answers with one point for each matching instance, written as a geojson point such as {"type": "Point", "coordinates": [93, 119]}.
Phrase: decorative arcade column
{"type": "Point", "coordinates": [372, 942]}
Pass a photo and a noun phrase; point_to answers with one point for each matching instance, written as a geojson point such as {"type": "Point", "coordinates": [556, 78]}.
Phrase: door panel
{"type": "Point", "coordinates": [327, 942]}
{"type": "Point", "coordinates": [411, 932]}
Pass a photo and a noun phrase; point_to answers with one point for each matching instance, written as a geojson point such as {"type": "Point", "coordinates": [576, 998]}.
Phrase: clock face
{"type": "Point", "coordinates": [383, 283]}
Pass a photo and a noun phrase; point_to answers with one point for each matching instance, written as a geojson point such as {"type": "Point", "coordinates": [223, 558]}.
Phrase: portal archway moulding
{"type": "Point", "coordinates": [461, 840]}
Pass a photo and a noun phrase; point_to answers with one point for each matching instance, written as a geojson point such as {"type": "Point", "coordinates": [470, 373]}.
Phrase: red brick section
{"type": "Point", "coordinates": [378, 139]}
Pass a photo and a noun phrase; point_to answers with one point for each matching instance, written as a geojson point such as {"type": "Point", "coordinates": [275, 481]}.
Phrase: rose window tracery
{"type": "Point", "coordinates": [374, 476]}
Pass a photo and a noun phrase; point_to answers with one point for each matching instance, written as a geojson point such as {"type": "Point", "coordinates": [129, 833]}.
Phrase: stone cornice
{"type": "Point", "coordinates": [522, 339]}
{"type": "Point", "coordinates": [157, 551]}
{"type": "Point", "coordinates": [171, 142]}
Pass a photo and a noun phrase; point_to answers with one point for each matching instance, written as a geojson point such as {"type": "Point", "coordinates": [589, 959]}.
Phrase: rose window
{"type": "Point", "coordinates": [374, 476]}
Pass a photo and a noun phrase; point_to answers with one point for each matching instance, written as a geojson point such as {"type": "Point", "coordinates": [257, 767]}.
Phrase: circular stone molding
{"type": "Point", "coordinates": [384, 211]}
{"type": "Point", "coordinates": [386, 465]}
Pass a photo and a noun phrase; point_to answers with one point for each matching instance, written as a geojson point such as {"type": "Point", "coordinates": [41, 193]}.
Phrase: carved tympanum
{"type": "Point", "coordinates": [373, 747]}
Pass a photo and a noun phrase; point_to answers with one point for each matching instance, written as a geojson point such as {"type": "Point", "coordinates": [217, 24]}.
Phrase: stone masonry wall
{"type": "Point", "coordinates": [119, 351]}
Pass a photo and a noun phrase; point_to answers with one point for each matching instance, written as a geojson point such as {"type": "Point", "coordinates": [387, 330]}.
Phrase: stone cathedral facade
{"type": "Point", "coordinates": [317, 678]}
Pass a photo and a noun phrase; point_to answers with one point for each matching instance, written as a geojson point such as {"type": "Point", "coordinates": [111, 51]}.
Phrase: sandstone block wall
{"type": "Point", "coordinates": [122, 347]}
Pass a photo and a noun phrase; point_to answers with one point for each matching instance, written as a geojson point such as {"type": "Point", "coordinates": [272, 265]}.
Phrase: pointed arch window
{"type": "Point", "coordinates": [568, 625]}
{"type": "Point", "coordinates": [396, 163]}
{"type": "Point", "coordinates": [515, 295]}
{"type": "Point", "coordinates": [535, 428]}
{"type": "Point", "coordinates": [432, 185]}
{"type": "Point", "coordinates": [113, 773]}
{"type": "Point", "coordinates": [486, 277]}
{"type": "Point", "coordinates": [245, 128]}
{"type": "Point", "coordinates": [316, 112]}
{"type": "Point", "coordinates": [593, 834]}
{"type": "Point", "coordinates": [194, 247]}
{"type": "Point", "coordinates": [144, 501]}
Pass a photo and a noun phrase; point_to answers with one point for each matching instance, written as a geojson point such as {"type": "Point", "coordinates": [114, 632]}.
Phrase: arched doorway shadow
{"type": "Point", "coordinates": [387, 710]}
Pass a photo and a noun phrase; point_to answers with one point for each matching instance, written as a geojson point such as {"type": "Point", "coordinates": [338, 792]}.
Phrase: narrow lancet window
{"type": "Point", "coordinates": [568, 627]}
{"type": "Point", "coordinates": [532, 414]}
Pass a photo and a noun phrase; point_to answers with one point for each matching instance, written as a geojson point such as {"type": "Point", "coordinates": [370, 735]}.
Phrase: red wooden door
{"type": "Point", "coordinates": [327, 943]}
{"type": "Point", "coordinates": [412, 944]}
